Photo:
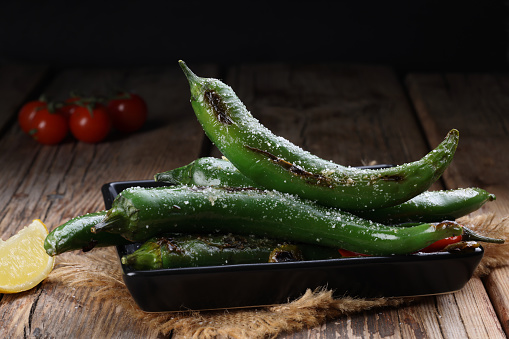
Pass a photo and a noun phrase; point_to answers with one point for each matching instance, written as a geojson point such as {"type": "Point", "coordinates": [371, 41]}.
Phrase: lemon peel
{"type": "Point", "coordinates": [24, 262]}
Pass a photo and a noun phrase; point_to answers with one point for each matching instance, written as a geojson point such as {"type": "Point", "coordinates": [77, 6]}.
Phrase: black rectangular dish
{"type": "Point", "coordinates": [247, 285]}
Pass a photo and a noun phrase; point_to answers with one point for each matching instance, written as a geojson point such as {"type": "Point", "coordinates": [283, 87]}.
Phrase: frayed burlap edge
{"type": "Point", "coordinates": [100, 271]}
{"type": "Point", "coordinates": [495, 255]}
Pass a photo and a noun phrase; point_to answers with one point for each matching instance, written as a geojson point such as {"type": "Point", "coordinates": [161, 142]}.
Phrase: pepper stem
{"type": "Point", "coordinates": [469, 235]}
{"type": "Point", "coordinates": [107, 224]}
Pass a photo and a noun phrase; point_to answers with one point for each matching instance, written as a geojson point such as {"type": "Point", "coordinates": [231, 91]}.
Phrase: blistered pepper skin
{"type": "Point", "coordinates": [189, 250]}
{"type": "Point", "coordinates": [276, 163]}
{"type": "Point", "coordinates": [429, 206]}
{"type": "Point", "coordinates": [140, 213]}
{"type": "Point", "coordinates": [174, 251]}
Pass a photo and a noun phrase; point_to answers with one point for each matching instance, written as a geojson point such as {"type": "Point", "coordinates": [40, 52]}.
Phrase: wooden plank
{"type": "Point", "coordinates": [314, 106]}
{"type": "Point", "coordinates": [60, 182]}
{"type": "Point", "coordinates": [476, 105]}
{"type": "Point", "coordinates": [499, 292]}
{"type": "Point", "coordinates": [477, 311]}
{"type": "Point", "coordinates": [17, 84]}
{"type": "Point", "coordinates": [353, 115]}
{"type": "Point", "coordinates": [452, 315]}
{"type": "Point", "coordinates": [350, 114]}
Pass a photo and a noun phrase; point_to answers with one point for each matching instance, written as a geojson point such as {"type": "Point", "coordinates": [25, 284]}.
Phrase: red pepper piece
{"type": "Point", "coordinates": [441, 244]}
{"type": "Point", "coordinates": [346, 253]}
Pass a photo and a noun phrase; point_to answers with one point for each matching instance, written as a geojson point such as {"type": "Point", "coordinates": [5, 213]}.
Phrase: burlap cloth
{"type": "Point", "coordinates": [99, 270]}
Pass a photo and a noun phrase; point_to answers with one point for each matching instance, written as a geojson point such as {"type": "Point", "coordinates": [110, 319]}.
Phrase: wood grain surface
{"type": "Point", "coordinates": [475, 104]}
{"type": "Point", "coordinates": [349, 113]}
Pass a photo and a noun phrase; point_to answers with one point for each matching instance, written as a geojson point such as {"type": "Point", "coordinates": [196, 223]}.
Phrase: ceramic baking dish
{"type": "Point", "coordinates": [248, 285]}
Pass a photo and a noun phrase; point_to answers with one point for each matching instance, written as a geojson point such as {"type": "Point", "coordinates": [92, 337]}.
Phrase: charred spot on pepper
{"type": "Point", "coordinates": [283, 256]}
{"type": "Point", "coordinates": [218, 106]}
{"type": "Point", "coordinates": [446, 224]}
{"type": "Point", "coordinates": [233, 241]}
{"type": "Point", "coordinates": [286, 253]}
{"type": "Point", "coordinates": [310, 178]}
{"type": "Point", "coordinates": [90, 246]}
{"type": "Point", "coordinates": [227, 241]}
{"type": "Point", "coordinates": [230, 189]}
{"type": "Point", "coordinates": [462, 246]}
{"type": "Point", "coordinates": [169, 244]}
{"type": "Point", "coordinates": [394, 177]}
{"type": "Point", "coordinates": [239, 189]}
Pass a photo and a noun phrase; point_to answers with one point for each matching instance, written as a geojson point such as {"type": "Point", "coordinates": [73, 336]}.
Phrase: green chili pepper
{"type": "Point", "coordinates": [207, 171]}
{"type": "Point", "coordinates": [199, 250]}
{"type": "Point", "coordinates": [75, 235]}
{"type": "Point", "coordinates": [172, 251]}
{"type": "Point", "coordinates": [430, 206]}
{"type": "Point", "coordinates": [140, 213]}
{"type": "Point", "coordinates": [468, 236]}
{"type": "Point", "coordinates": [468, 240]}
{"type": "Point", "coordinates": [275, 163]}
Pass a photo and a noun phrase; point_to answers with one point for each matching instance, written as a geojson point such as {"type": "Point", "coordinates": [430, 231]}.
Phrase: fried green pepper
{"type": "Point", "coordinates": [179, 250]}
{"type": "Point", "coordinates": [206, 171]}
{"type": "Point", "coordinates": [432, 206]}
{"type": "Point", "coordinates": [468, 240]}
{"type": "Point", "coordinates": [75, 235]}
{"type": "Point", "coordinates": [140, 213]}
{"type": "Point", "coordinates": [429, 206]}
{"type": "Point", "coordinates": [275, 163]}
{"type": "Point", "coordinates": [199, 250]}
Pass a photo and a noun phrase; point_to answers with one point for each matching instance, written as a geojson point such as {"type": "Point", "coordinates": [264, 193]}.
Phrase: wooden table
{"type": "Point", "coordinates": [352, 114]}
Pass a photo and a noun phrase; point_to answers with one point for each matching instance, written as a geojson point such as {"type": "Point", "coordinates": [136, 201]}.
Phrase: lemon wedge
{"type": "Point", "coordinates": [23, 261]}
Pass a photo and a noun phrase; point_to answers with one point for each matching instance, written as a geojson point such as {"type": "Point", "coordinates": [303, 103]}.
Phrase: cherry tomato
{"type": "Point", "coordinates": [90, 123]}
{"type": "Point", "coordinates": [48, 128]}
{"type": "Point", "coordinates": [128, 112]}
{"type": "Point", "coordinates": [27, 113]}
{"type": "Point", "coordinates": [68, 107]}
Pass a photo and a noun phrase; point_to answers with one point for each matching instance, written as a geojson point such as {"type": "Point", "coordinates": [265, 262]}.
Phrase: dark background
{"type": "Point", "coordinates": [416, 35]}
